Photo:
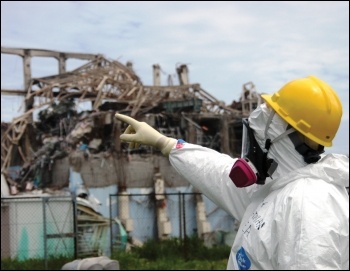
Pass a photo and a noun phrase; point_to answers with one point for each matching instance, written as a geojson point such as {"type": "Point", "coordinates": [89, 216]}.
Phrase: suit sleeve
{"type": "Point", "coordinates": [208, 171]}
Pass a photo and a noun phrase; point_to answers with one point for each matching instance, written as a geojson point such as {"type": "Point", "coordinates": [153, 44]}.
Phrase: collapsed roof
{"type": "Point", "coordinates": [113, 87]}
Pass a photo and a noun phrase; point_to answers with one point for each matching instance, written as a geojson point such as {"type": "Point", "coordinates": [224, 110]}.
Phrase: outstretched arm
{"type": "Point", "coordinates": [204, 168]}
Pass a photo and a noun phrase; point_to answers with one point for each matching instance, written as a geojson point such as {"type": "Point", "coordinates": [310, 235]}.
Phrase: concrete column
{"type": "Point", "coordinates": [123, 201]}
{"type": "Point", "coordinates": [163, 223]}
{"type": "Point", "coordinates": [62, 63]}
{"type": "Point", "coordinates": [156, 75]}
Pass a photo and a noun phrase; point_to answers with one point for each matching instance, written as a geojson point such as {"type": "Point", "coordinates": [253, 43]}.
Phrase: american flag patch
{"type": "Point", "coordinates": [180, 143]}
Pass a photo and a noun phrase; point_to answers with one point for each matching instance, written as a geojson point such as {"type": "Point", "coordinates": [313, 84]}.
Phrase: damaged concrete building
{"type": "Point", "coordinates": [44, 154]}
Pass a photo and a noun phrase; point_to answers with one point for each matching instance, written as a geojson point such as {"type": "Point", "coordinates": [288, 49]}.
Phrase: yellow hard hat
{"type": "Point", "coordinates": [310, 106]}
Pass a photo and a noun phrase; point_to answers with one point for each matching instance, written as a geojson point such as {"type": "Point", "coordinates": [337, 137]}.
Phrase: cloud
{"type": "Point", "coordinates": [225, 44]}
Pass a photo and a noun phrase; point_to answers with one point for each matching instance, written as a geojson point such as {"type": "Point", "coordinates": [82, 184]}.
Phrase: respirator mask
{"type": "Point", "coordinates": [254, 166]}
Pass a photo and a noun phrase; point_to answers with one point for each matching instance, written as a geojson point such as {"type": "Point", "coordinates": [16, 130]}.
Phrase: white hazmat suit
{"type": "Point", "coordinates": [299, 219]}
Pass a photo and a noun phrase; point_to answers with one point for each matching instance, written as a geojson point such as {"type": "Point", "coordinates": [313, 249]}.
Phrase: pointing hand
{"type": "Point", "coordinates": [141, 133]}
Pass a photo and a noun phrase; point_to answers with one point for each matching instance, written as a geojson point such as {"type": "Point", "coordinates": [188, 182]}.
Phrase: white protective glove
{"type": "Point", "coordinates": [141, 133]}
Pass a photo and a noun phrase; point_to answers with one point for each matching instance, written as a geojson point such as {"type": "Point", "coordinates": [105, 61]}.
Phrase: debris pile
{"type": "Point", "coordinates": [30, 149]}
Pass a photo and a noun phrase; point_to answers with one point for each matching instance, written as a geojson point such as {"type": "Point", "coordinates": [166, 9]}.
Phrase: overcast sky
{"type": "Point", "coordinates": [225, 44]}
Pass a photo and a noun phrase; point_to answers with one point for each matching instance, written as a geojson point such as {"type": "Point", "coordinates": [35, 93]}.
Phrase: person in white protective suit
{"type": "Point", "coordinates": [290, 198]}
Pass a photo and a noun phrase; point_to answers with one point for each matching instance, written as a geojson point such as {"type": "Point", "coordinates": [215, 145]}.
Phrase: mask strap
{"type": "Point", "coordinates": [268, 141]}
{"type": "Point", "coordinates": [289, 131]}
{"type": "Point", "coordinates": [269, 120]}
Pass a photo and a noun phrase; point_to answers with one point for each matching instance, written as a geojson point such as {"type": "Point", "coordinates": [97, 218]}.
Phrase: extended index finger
{"type": "Point", "coordinates": [127, 119]}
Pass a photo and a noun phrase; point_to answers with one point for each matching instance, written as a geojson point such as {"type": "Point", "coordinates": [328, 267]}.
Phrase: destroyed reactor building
{"type": "Point", "coordinates": [184, 111]}
{"type": "Point", "coordinates": [42, 154]}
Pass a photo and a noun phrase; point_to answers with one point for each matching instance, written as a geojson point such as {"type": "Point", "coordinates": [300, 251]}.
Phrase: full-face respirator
{"type": "Point", "coordinates": [254, 166]}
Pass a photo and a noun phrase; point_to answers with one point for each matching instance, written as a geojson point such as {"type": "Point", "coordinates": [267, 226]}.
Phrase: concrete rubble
{"type": "Point", "coordinates": [69, 151]}
{"type": "Point", "coordinates": [30, 150]}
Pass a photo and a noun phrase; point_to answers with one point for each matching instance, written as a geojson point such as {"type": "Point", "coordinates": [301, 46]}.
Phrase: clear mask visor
{"type": "Point", "coordinates": [245, 139]}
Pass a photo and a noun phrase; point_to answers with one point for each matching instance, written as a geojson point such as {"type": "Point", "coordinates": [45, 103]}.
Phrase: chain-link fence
{"type": "Point", "coordinates": [48, 227]}
{"type": "Point", "coordinates": [38, 228]}
{"type": "Point", "coordinates": [160, 216]}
